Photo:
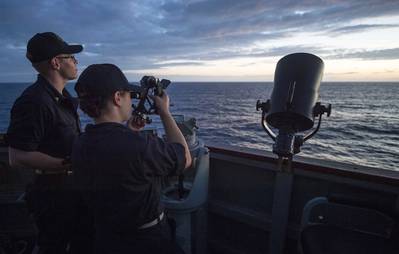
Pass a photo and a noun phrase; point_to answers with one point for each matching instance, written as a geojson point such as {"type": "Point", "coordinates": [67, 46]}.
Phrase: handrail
{"type": "Point", "coordinates": [353, 171]}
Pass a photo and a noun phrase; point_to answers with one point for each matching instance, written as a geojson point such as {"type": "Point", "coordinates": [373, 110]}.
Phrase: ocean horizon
{"type": "Point", "coordinates": [362, 129]}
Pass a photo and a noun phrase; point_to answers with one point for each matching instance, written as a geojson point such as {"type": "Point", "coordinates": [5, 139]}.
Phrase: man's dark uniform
{"type": "Point", "coordinates": [119, 173]}
{"type": "Point", "coordinates": [46, 121]}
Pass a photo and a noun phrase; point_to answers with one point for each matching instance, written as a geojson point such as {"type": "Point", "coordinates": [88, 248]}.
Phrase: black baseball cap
{"type": "Point", "coordinates": [44, 46]}
{"type": "Point", "coordinates": [103, 80]}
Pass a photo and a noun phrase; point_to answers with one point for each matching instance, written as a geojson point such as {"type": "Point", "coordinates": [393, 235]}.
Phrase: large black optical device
{"type": "Point", "coordinates": [292, 109]}
{"type": "Point", "coordinates": [293, 105]}
{"type": "Point", "coordinates": [150, 86]}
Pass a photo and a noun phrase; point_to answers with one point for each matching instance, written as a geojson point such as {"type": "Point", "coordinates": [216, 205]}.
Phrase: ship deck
{"type": "Point", "coordinates": [244, 187]}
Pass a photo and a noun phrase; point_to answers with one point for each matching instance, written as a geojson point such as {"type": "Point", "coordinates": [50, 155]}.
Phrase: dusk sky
{"type": "Point", "coordinates": [209, 40]}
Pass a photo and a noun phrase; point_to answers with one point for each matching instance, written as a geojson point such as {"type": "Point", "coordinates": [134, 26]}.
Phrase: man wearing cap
{"type": "Point", "coordinates": [43, 125]}
{"type": "Point", "coordinates": [118, 171]}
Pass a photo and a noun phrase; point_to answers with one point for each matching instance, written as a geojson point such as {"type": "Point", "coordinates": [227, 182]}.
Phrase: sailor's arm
{"type": "Point", "coordinates": [28, 126]}
{"type": "Point", "coordinates": [35, 160]}
{"type": "Point", "coordinates": [173, 133]}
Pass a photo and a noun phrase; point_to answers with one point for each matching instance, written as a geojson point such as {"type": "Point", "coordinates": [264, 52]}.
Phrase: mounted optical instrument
{"type": "Point", "coordinates": [292, 107]}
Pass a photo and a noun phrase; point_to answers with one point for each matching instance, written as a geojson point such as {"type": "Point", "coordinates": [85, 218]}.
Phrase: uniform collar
{"type": "Point", "coordinates": [57, 96]}
{"type": "Point", "coordinates": [106, 125]}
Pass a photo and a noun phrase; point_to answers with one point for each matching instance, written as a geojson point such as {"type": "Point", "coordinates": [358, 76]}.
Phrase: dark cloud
{"type": "Point", "coordinates": [384, 54]}
{"type": "Point", "coordinates": [144, 33]}
{"type": "Point", "coordinates": [359, 28]}
{"type": "Point", "coordinates": [219, 18]}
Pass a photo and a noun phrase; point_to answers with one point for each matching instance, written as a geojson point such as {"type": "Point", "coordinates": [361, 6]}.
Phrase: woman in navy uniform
{"type": "Point", "coordinates": [118, 170]}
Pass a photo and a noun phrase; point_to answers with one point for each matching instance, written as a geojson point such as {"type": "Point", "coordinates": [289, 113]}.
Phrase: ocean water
{"type": "Point", "coordinates": [363, 127]}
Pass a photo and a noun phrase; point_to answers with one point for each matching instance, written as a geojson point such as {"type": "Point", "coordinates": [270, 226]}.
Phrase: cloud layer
{"type": "Point", "coordinates": [149, 34]}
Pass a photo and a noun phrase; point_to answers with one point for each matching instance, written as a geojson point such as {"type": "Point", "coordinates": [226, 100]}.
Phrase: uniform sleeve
{"type": "Point", "coordinates": [163, 159]}
{"type": "Point", "coordinates": [27, 125]}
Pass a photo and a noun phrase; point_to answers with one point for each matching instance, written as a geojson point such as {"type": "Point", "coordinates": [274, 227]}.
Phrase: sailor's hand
{"type": "Point", "coordinates": [162, 103]}
{"type": "Point", "coordinates": [136, 123]}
